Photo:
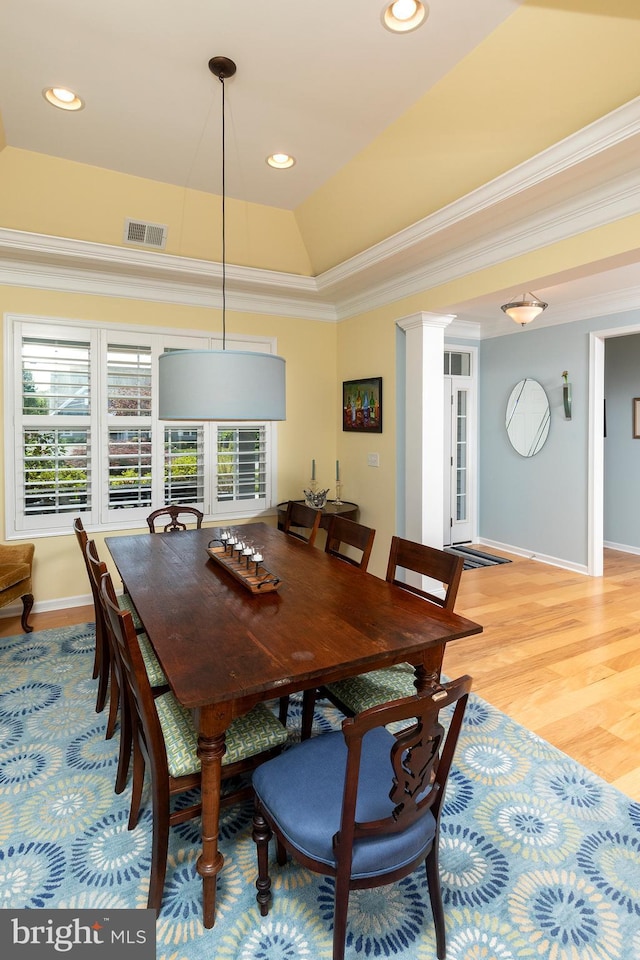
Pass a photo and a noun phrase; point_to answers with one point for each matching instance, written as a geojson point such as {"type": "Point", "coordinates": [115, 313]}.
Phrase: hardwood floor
{"type": "Point", "coordinates": [560, 653]}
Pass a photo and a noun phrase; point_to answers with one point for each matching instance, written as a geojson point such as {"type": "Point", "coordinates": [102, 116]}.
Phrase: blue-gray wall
{"type": "Point", "coordinates": [538, 505]}
{"type": "Point", "coordinates": [621, 451]}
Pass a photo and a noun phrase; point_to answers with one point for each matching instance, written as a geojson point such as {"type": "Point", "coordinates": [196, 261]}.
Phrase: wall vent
{"type": "Point", "coordinates": [145, 234]}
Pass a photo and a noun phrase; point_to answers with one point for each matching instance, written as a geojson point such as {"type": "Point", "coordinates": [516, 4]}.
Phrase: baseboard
{"type": "Point", "coordinates": [540, 557]}
{"type": "Point", "coordinates": [44, 606]}
{"type": "Point", "coordinates": [622, 547]}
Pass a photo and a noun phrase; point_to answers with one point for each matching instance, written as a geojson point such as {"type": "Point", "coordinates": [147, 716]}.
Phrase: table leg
{"type": "Point", "coordinates": [211, 748]}
{"type": "Point", "coordinates": [428, 672]}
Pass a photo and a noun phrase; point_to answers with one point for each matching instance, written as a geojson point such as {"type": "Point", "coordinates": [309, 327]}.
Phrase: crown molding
{"type": "Point", "coordinates": [587, 180]}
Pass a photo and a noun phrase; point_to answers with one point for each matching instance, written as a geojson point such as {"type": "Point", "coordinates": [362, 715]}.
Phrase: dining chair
{"type": "Point", "coordinates": [97, 568]}
{"type": "Point", "coordinates": [362, 804]}
{"type": "Point", "coordinates": [341, 533]}
{"type": "Point", "coordinates": [101, 660]}
{"type": "Point", "coordinates": [302, 517]}
{"type": "Point", "coordinates": [378, 686]}
{"type": "Point", "coordinates": [16, 560]}
{"type": "Point", "coordinates": [165, 740]}
{"type": "Point", "coordinates": [170, 517]}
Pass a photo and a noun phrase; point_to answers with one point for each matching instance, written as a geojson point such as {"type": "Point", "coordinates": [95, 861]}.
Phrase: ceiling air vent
{"type": "Point", "coordinates": [145, 234]}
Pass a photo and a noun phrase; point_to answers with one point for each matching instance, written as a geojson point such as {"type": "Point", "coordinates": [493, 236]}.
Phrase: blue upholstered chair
{"type": "Point", "coordinates": [363, 805]}
{"type": "Point", "coordinates": [165, 742]}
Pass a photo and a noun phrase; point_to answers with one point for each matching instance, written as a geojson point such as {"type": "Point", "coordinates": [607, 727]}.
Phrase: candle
{"type": "Point", "coordinates": [313, 469]}
{"type": "Point", "coordinates": [337, 469]}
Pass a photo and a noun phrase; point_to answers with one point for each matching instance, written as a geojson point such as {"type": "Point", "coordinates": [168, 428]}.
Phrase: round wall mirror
{"type": "Point", "coordinates": [528, 417]}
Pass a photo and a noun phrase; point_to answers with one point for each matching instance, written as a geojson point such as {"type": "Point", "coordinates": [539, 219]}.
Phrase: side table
{"type": "Point", "coordinates": [345, 509]}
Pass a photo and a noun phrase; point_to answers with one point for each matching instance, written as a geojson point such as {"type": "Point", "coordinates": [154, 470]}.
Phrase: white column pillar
{"type": "Point", "coordinates": [424, 426]}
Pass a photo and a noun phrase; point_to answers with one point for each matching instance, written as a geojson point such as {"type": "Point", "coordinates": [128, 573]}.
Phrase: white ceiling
{"type": "Point", "coordinates": [319, 80]}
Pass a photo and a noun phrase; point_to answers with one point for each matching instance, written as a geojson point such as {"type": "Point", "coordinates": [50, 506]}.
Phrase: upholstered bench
{"type": "Point", "coordinates": [15, 577]}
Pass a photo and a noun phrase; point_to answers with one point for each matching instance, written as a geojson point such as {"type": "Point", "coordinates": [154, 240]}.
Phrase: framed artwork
{"type": "Point", "coordinates": [362, 405]}
{"type": "Point", "coordinates": [636, 418]}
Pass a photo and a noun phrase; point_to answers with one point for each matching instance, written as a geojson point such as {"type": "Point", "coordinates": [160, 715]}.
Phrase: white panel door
{"type": "Point", "coordinates": [459, 460]}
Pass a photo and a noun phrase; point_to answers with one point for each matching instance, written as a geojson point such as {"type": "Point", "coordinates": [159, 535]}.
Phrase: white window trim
{"type": "Point", "coordinates": [61, 525]}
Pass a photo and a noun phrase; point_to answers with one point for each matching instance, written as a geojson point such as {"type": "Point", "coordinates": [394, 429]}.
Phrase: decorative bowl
{"type": "Point", "coordinates": [316, 499]}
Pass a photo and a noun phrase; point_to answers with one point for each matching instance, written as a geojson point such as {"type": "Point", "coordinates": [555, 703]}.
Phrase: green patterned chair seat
{"type": "Point", "coordinates": [255, 732]}
{"type": "Point", "coordinates": [369, 689]}
{"type": "Point", "coordinates": [155, 672]}
{"type": "Point", "coordinates": [126, 603]}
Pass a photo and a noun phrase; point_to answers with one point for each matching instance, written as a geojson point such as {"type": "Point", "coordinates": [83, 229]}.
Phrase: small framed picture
{"type": "Point", "coordinates": [362, 405]}
{"type": "Point", "coordinates": [636, 418]}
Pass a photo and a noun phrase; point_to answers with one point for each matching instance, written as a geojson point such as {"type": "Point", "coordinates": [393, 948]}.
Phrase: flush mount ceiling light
{"type": "Point", "coordinates": [62, 98]}
{"type": "Point", "coordinates": [281, 161]}
{"type": "Point", "coordinates": [524, 309]}
{"type": "Point", "coordinates": [221, 384]}
{"type": "Point", "coordinates": [403, 16]}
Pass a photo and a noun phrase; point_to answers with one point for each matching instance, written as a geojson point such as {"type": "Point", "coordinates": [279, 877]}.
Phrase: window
{"type": "Point", "coordinates": [79, 410]}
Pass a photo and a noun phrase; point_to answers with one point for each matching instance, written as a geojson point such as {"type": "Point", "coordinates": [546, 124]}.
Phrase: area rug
{"type": "Point", "coordinates": [539, 857]}
{"type": "Point", "coordinates": [476, 558]}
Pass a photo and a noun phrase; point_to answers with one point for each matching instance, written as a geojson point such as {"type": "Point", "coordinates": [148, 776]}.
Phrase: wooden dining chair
{"type": "Point", "coordinates": [301, 517]}
{"type": "Point", "coordinates": [101, 660]}
{"type": "Point", "coordinates": [165, 741]}
{"type": "Point", "coordinates": [168, 519]}
{"type": "Point", "coordinates": [97, 568]}
{"type": "Point", "coordinates": [341, 533]}
{"type": "Point", "coordinates": [379, 686]}
{"type": "Point", "coordinates": [362, 804]}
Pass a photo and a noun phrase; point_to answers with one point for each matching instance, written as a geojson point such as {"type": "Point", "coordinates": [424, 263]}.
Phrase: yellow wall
{"type": "Point", "coordinates": [59, 198]}
{"type": "Point", "coordinates": [542, 75]}
{"type": "Point", "coordinates": [309, 431]}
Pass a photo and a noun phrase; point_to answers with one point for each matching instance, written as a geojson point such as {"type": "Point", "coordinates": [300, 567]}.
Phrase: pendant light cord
{"type": "Point", "coordinates": [224, 230]}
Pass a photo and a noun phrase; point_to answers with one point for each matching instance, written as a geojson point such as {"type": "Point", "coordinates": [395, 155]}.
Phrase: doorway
{"type": "Point", "coordinates": [460, 510]}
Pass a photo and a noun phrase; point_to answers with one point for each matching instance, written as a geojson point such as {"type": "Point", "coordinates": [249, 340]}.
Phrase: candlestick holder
{"type": "Point", "coordinates": [313, 485]}
{"type": "Point", "coordinates": [338, 500]}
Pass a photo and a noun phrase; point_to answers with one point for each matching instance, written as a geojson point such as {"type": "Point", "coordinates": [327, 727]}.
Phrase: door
{"type": "Point", "coordinates": [459, 460]}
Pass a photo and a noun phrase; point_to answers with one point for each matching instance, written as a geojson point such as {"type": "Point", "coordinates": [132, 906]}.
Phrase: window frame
{"type": "Point", "coordinates": [99, 516]}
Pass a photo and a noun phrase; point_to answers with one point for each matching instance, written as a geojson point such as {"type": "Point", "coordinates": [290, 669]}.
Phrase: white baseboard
{"type": "Point", "coordinates": [540, 557]}
{"type": "Point", "coordinates": [622, 547]}
{"type": "Point", "coordinates": [43, 606]}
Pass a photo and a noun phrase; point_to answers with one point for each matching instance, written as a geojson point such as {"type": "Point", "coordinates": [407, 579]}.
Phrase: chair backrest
{"type": "Point", "coordinates": [171, 515]}
{"type": "Point", "coordinates": [341, 531]}
{"type": "Point", "coordinates": [146, 729]}
{"type": "Point", "coordinates": [429, 562]}
{"type": "Point", "coordinates": [420, 758]}
{"type": "Point", "coordinates": [300, 515]}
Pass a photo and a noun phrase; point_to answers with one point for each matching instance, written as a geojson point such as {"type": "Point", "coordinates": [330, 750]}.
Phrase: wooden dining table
{"type": "Point", "coordinates": [223, 648]}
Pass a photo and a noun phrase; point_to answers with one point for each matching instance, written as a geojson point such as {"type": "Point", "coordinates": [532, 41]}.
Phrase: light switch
{"type": "Point", "coordinates": [373, 460]}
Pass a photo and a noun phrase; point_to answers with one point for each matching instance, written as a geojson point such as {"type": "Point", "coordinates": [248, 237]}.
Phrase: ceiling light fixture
{"type": "Point", "coordinates": [281, 161]}
{"type": "Point", "coordinates": [62, 98]}
{"type": "Point", "coordinates": [403, 16]}
{"type": "Point", "coordinates": [221, 384]}
{"type": "Point", "coordinates": [525, 309]}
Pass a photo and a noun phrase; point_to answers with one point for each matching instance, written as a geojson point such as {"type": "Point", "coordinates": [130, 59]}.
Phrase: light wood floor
{"type": "Point", "coordinates": [560, 653]}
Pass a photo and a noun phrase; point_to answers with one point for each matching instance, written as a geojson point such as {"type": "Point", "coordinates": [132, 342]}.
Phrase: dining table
{"type": "Point", "coordinates": [224, 645]}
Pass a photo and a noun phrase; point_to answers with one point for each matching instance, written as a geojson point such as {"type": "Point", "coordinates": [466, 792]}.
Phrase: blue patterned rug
{"type": "Point", "coordinates": [539, 857]}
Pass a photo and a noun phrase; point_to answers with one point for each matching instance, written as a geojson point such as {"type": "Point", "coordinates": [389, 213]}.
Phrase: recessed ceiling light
{"type": "Point", "coordinates": [62, 98]}
{"type": "Point", "coordinates": [403, 16]}
{"type": "Point", "coordinates": [281, 161]}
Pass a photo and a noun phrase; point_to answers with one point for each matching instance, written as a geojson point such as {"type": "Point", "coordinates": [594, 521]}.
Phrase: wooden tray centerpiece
{"type": "Point", "coordinates": [243, 564]}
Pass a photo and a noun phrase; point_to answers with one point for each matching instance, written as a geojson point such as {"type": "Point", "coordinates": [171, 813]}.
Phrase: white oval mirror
{"type": "Point", "coordinates": [528, 417]}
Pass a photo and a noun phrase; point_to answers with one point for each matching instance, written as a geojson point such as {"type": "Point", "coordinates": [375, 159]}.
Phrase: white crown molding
{"type": "Point", "coordinates": [587, 180]}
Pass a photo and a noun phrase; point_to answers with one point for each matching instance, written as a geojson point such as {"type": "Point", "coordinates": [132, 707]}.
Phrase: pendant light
{"type": "Point", "coordinates": [221, 384]}
{"type": "Point", "coordinates": [525, 309]}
